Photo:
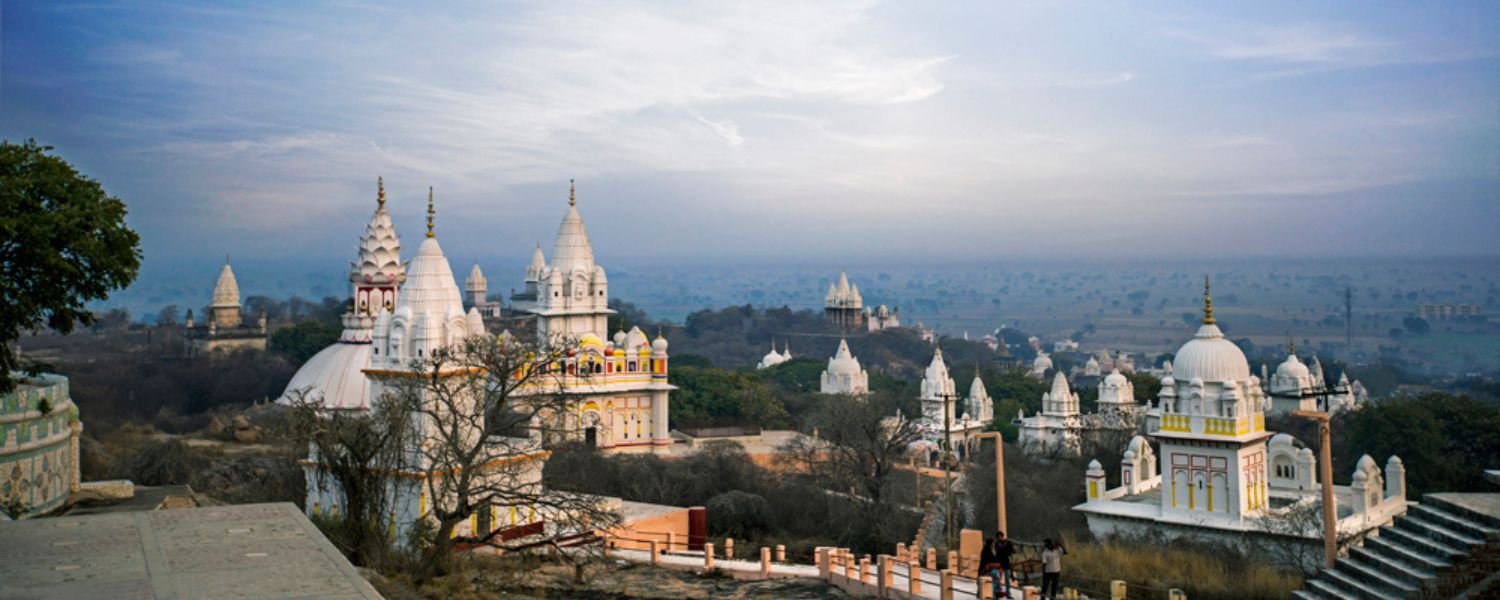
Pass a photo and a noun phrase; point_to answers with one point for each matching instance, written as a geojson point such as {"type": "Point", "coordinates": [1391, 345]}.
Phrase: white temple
{"type": "Point", "coordinates": [844, 375]}
{"type": "Point", "coordinates": [882, 317]}
{"type": "Point", "coordinates": [1040, 365]}
{"type": "Point", "coordinates": [476, 289]}
{"type": "Point", "coordinates": [620, 382]}
{"type": "Point", "coordinates": [1296, 386]}
{"type": "Point", "coordinates": [774, 358]}
{"type": "Point", "coordinates": [940, 404]}
{"type": "Point", "coordinates": [1058, 429]}
{"type": "Point", "coordinates": [1215, 478]}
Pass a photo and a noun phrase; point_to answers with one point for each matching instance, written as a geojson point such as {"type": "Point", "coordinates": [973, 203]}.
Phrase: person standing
{"type": "Point", "coordinates": [1052, 554]}
{"type": "Point", "coordinates": [1003, 551]}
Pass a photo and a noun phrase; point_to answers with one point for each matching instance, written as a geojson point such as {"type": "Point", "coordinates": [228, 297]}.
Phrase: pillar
{"type": "Point", "coordinates": [986, 588]}
{"type": "Point", "coordinates": [884, 564]}
{"type": "Point", "coordinates": [953, 561]}
{"type": "Point", "coordinates": [729, 548]}
{"type": "Point", "coordinates": [864, 570]}
{"type": "Point", "coordinates": [946, 592]}
{"type": "Point", "coordinates": [655, 555]}
{"type": "Point", "coordinates": [765, 563]}
{"type": "Point", "coordinates": [914, 578]}
{"type": "Point", "coordinates": [708, 556]}
{"type": "Point", "coordinates": [1070, 594]}
{"type": "Point", "coordinates": [932, 559]}
{"type": "Point", "coordinates": [1117, 590]}
{"type": "Point", "coordinates": [780, 553]}
{"type": "Point", "coordinates": [900, 551]}
{"type": "Point", "coordinates": [671, 540]}
{"type": "Point", "coordinates": [851, 566]}
{"type": "Point", "coordinates": [659, 432]}
{"type": "Point", "coordinates": [823, 558]}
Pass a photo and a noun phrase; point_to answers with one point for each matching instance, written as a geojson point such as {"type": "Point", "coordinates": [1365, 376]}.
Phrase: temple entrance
{"type": "Point", "coordinates": [591, 436]}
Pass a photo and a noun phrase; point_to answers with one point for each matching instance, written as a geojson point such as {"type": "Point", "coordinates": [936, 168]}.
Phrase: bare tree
{"type": "Point", "coordinates": [354, 453]}
{"type": "Point", "coordinates": [1293, 538]}
{"type": "Point", "coordinates": [481, 410]}
{"type": "Point", "coordinates": [860, 442]}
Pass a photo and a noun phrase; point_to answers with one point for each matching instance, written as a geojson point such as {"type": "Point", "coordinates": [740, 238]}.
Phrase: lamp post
{"type": "Point", "coordinates": [1325, 473]}
{"type": "Point", "coordinates": [999, 477]}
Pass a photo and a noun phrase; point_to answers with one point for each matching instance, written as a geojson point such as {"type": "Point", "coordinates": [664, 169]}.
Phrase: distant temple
{"type": "Point", "coordinates": [1062, 429]}
{"type": "Point", "coordinates": [843, 305]}
{"type": "Point", "coordinates": [881, 317]}
{"type": "Point", "coordinates": [226, 329]}
{"type": "Point", "coordinates": [774, 358]}
{"type": "Point", "coordinates": [844, 375]}
{"type": "Point", "coordinates": [941, 404]}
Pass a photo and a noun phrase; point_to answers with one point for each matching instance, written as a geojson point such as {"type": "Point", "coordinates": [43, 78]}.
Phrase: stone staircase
{"type": "Point", "coordinates": [1438, 549]}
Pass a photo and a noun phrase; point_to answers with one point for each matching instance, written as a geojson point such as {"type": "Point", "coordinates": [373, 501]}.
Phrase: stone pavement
{"type": "Point", "coordinates": [222, 552]}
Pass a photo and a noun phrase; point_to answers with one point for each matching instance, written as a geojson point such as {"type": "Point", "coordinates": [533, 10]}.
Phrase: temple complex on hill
{"type": "Point", "coordinates": [617, 388]}
{"type": "Point", "coordinates": [843, 305]}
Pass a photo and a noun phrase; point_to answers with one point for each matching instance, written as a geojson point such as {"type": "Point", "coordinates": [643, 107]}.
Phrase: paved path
{"type": "Point", "coordinates": [750, 569]}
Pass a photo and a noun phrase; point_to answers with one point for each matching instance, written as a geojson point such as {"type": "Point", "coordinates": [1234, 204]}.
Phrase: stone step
{"type": "Point", "coordinates": [1311, 594]}
{"type": "Point", "coordinates": [1323, 589]}
{"type": "Point", "coordinates": [1436, 531]}
{"type": "Point", "coordinates": [1372, 576]}
{"type": "Point", "coordinates": [1420, 543]}
{"type": "Point", "coordinates": [1454, 521]}
{"type": "Point", "coordinates": [1387, 547]}
{"type": "Point", "coordinates": [1348, 586]}
{"type": "Point", "coordinates": [1438, 501]}
{"type": "Point", "coordinates": [1407, 572]}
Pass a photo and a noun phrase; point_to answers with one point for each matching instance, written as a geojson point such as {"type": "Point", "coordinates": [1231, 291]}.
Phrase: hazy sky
{"type": "Point", "coordinates": [807, 129]}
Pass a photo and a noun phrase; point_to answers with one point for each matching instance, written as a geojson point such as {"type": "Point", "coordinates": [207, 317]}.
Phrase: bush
{"type": "Point", "coordinates": [163, 463]}
{"type": "Point", "coordinates": [738, 514]}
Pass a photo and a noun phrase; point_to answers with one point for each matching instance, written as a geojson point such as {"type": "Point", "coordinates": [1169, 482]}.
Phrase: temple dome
{"type": "Point", "coordinates": [226, 289]}
{"type": "Point", "coordinates": [1292, 368]}
{"type": "Point", "coordinates": [334, 377]}
{"type": "Point", "coordinates": [843, 361]}
{"type": "Point", "coordinates": [1210, 357]}
{"type": "Point", "coordinates": [1115, 378]}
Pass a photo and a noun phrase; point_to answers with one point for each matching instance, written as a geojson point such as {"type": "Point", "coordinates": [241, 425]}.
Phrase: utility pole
{"type": "Point", "coordinates": [947, 473]}
{"type": "Point", "coordinates": [999, 477]}
{"type": "Point", "coordinates": [1325, 473]}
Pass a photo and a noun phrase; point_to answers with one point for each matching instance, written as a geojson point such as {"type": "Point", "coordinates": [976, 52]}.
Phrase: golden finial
{"type": "Point", "coordinates": [658, 332]}
{"type": "Point", "coordinates": [1208, 304]}
{"type": "Point", "coordinates": [380, 181]}
{"type": "Point", "coordinates": [429, 212]}
{"type": "Point", "coordinates": [572, 197]}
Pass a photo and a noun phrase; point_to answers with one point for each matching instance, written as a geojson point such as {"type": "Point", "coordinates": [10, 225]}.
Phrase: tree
{"type": "Point", "coordinates": [301, 341]}
{"type": "Point", "coordinates": [859, 444]}
{"type": "Point", "coordinates": [481, 409]}
{"type": "Point", "coordinates": [354, 452]}
{"type": "Point", "coordinates": [1416, 325]}
{"type": "Point", "coordinates": [63, 244]}
{"type": "Point", "coordinates": [167, 315]}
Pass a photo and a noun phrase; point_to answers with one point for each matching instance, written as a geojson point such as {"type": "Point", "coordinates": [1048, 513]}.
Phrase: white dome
{"type": "Point", "coordinates": [843, 361]}
{"type": "Point", "coordinates": [334, 377]}
{"type": "Point", "coordinates": [1210, 357]}
{"type": "Point", "coordinates": [1042, 362]}
{"type": "Point", "coordinates": [1115, 378]}
{"type": "Point", "coordinates": [1292, 368]}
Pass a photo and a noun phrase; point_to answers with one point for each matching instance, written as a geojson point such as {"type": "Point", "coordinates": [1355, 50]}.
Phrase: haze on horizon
{"type": "Point", "coordinates": [811, 130]}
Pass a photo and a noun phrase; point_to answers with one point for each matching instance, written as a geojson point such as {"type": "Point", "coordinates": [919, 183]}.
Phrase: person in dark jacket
{"type": "Point", "coordinates": [995, 560]}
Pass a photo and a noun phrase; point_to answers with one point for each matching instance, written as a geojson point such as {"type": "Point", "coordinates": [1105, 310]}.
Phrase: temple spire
{"type": "Point", "coordinates": [1208, 304]}
{"type": "Point", "coordinates": [1291, 348]}
{"type": "Point", "coordinates": [572, 194]}
{"type": "Point", "coordinates": [430, 212]}
{"type": "Point", "coordinates": [380, 197]}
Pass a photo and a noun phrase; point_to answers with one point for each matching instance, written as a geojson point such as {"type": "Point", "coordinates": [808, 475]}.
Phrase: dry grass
{"type": "Point", "coordinates": [1150, 570]}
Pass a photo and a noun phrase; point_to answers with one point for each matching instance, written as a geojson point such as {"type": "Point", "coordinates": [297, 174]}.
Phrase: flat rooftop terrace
{"type": "Point", "coordinates": [245, 551]}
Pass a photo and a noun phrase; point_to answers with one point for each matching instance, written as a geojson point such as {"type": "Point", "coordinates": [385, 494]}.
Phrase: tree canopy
{"type": "Point", "coordinates": [63, 244]}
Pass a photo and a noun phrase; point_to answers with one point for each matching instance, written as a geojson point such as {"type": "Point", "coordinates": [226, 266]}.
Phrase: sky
{"type": "Point", "coordinates": [826, 131]}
